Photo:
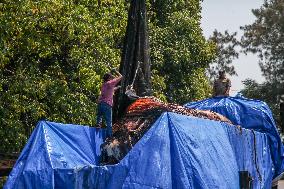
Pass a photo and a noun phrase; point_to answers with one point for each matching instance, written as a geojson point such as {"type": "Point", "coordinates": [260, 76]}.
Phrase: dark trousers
{"type": "Point", "coordinates": [105, 111]}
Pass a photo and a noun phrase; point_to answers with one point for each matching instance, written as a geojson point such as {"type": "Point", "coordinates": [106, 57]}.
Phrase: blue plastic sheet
{"type": "Point", "coordinates": [177, 152]}
{"type": "Point", "coordinates": [250, 114]}
{"type": "Point", "coordinates": [51, 147]}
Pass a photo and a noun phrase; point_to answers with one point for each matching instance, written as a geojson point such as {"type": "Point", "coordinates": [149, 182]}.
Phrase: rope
{"type": "Point", "coordinates": [242, 143]}
{"type": "Point", "coordinates": [255, 157]}
{"type": "Point", "coordinates": [136, 71]}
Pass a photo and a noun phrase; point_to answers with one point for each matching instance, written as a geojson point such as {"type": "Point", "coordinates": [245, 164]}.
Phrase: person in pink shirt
{"type": "Point", "coordinates": [105, 101]}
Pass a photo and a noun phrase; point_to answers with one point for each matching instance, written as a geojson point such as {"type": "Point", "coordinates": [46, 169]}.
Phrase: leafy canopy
{"type": "Point", "coordinates": [53, 54]}
{"type": "Point", "coordinates": [265, 37]}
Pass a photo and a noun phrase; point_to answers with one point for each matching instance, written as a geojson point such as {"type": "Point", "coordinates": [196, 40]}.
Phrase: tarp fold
{"type": "Point", "coordinates": [177, 152]}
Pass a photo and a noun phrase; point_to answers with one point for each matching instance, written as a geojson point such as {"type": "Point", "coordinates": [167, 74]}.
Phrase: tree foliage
{"type": "Point", "coordinates": [265, 37]}
{"type": "Point", "coordinates": [226, 51]}
{"type": "Point", "coordinates": [179, 52]}
{"type": "Point", "coordinates": [53, 55]}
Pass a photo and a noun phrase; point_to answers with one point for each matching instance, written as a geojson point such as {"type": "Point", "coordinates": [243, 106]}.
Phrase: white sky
{"type": "Point", "coordinates": [230, 15]}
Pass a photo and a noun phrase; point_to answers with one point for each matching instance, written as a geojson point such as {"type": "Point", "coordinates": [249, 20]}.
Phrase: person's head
{"type": "Point", "coordinates": [222, 74]}
{"type": "Point", "coordinates": [107, 77]}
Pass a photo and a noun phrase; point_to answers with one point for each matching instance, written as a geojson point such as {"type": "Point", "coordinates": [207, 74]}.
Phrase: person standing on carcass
{"type": "Point", "coordinates": [105, 101]}
{"type": "Point", "coordinates": [222, 85]}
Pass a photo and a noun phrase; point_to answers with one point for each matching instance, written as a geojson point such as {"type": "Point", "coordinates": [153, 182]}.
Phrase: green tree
{"type": "Point", "coordinates": [179, 52]}
{"type": "Point", "coordinates": [52, 57]}
{"type": "Point", "coordinates": [226, 51]}
{"type": "Point", "coordinates": [265, 37]}
{"type": "Point", "coordinates": [54, 53]}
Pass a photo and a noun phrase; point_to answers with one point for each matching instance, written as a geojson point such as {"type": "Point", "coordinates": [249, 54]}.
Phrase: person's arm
{"type": "Point", "coordinates": [118, 74]}
{"type": "Point", "coordinates": [114, 71]}
{"type": "Point", "coordinates": [116, 80]}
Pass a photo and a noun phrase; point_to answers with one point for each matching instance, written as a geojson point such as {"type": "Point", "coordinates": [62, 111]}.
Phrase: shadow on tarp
{"type": "Point", "coordinates": [250, 114]}
{"type": "Point", "coordinates": [177, 152]}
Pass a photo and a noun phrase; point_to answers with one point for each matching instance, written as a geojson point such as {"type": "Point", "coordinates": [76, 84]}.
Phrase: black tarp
{"type": "Point", "coordinates": [136, 49]}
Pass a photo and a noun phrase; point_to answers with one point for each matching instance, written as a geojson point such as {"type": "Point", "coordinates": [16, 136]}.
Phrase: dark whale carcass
{"type": "Point", "coordinates": [138, 119]}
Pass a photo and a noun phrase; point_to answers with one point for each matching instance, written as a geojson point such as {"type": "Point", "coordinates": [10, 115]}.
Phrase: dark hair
{"type": "Point", "coordinates": [221, 72]}
{"type": "Point", "coordinates": [107, 77]}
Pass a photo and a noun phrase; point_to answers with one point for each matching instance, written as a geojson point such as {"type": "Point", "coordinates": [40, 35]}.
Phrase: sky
{"type": "Point", "coordinates": [230, 15]}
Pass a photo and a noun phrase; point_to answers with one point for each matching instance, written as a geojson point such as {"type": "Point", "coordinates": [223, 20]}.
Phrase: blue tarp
{"type": "Point", "coordinates": [250, 114]}
{"type": "Point", "coordinates": [177, 152]}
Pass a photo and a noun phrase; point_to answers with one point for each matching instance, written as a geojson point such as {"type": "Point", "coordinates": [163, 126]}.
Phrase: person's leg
{"type": "Point", "coordinates": [108, 118]}
{"type": "Point", "coordinates": [99, 115]}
